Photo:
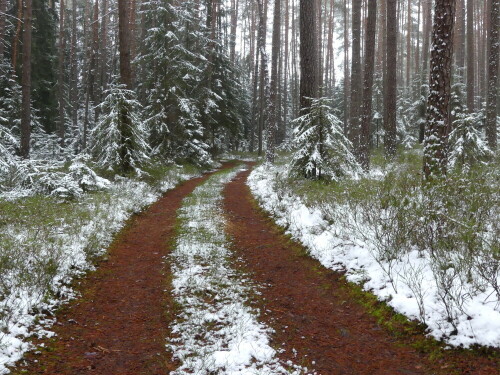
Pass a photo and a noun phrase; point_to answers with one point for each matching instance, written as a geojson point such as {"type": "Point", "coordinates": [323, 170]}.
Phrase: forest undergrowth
{"type": "Point", "coordinates": [431, 250]}
{"type": "Point", "coordinates": [52, 230]}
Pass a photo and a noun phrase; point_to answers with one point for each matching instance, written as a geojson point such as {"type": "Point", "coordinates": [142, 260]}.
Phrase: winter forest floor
{"type": "Point", "coordinates": [128, 306]}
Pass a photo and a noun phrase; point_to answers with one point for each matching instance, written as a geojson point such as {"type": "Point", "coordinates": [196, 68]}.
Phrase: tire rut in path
{"type": "Point", "coordinates": [307, 305]}
{"type": "Point", "coordinates": [119, 326]}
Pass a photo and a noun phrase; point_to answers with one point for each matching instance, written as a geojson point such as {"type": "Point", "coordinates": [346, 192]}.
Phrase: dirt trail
{"type": "Point", "coordinates": [310, 309]}
{"type": "Point", "coordinates": [119, 326]}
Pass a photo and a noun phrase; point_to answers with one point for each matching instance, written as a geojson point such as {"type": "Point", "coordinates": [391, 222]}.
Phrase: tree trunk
{"type": "Point", "coordinates": [369, 64]}
{"type": "Point", "coordinates": [61, 129]}
{"type": "Point", "coordinates": [74, 72]}
{"type": "Point", "coordinates": [17, 35]}
{"type": "Point", "coordinates": [3, 9]}
{"type": "Point", "coordinates": [470, 56]}
{"type": "Point", "coordinates": [347, 84]}
{"type": "Point", "coordinates": [263, 73]}
{"type": "Point", "coordinates": [356, 86]}
{"type": "Point", "coordinates": [460, 37]}
{"type": "Point", "coordinates": [308, 53]}
{"type": "Point", "coordinates": [408, 47]}
{"type": "Point", "coordinates": [26, 82]}
{"type": "Point", "coordinates": [493, 66]}
{"type": "Point", "coordinates": [126, 80]}
{"type": "Point", "coordinates": [234, 24]}
{"type": "Point", "coordinates": [438, 112]}
{"type": "Point", "coordinates": [390, 93]}
{"type": "Point", "coordinates": [273, 110]}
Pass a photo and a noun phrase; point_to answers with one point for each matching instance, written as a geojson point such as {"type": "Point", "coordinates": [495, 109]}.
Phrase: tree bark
{"type": "Point", "coordinates": [493, 66]}
{"type": "Point", "coordinates": [308, 53]}
{"type": "Point", "coordinates": [347, 83]}
{"type": "Point", "coordinates": [369, 64]}
{"type": "Point", "coordinates": [273, 110]}
{"type": "Point", "coordinates": [74, 72]}
{"type": "Point", "coordinates": [26, 81]}
{"type": "Point", "coordinates": [17, 35]}
{"type": "Point", "coordinates": [234, 24]}
{"type": "Point", "coordinates": [438, 112]}
{"type": "Point", "coordinates": [3, 9]}
{"type": "Point", "coordinates": [61, 128]}
{"type": "Point", "coordinates": [470, 56]}
{"type": "Point", "coordinates": [356, 73]}
{"type": "Point", "coordinates": [391, 81]}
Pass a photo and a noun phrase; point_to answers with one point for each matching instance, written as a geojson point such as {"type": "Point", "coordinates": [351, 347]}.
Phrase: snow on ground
{"type": "Point", "coordinates": [216, 331]}
{"type": "Point", "coordinates": [412, 288]}
{"type": "Point", "coordinates": [27, 300]}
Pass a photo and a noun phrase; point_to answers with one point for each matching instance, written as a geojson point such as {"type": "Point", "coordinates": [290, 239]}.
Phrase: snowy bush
{"type": "Point", "coordinates": [119, 140]}
{"type": "Point", "coordinates": [321, 149]}
{"type": "Point", "coordinates": [467, 148]}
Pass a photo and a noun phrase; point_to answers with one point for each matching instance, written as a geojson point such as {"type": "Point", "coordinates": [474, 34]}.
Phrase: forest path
{"type": "Point", "coordinates": [315, 319]}
{"type": "Point", "coordinates": [119, 324]}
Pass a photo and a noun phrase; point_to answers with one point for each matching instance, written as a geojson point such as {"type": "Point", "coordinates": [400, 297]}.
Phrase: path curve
{"type": "Point", "coordinates": [120, 324]}
{"type": "Point", "coordinates": [308, 306]}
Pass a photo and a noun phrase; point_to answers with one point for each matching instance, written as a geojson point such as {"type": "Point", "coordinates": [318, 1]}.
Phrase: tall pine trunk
{"type": "Point", "coordinates": [356, 82]}
{"type": "Point", "coordinates": [438, 111]}
{"type": "Point", "coordinates": [126, 80]}
{"type": "Point", "coordinates": [369, 64]}
{"type": "Point", "coordinates": [493, 65]}
{"type": "Point", "coordinates": [308, 53]}
{"type": "Point", "coordinates": [26, 81]}
{"type": "Point", "coordinates": [272, 126]}
{"type": "Point", "coordinates": [390, 91]}
{"type": "Point", "coordinates": [61, 126]}
{"type": "Point", "coordinates": [470, 56]}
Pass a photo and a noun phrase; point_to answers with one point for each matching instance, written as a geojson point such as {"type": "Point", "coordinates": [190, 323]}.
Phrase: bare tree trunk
{"type": "Point", "coordinates": [26, 81]}
{"type": "Point", "coordinates": [103, 53]}
{"type": "Point", "coordinates": [409, 29]}
{"type": "Point", "coordinates": [347, 83]}
{"type": "Point", "coordinates": [369, 64]}
{"type": "Point", "coordinates": [61, 129]}
{"type": "Point", "coordinates": [356, 85]}
{"type": "Point", "coordinates": [74, 72]}
{"type": "Point", "coordinates": [263, 73]}
{"type": "Point", "coordinates": [132, 37]}
{"type": "Point", "coordinates": [493, 59]}
{"type": "Point", "coordinates": [254, 55]}
{"type": "Point", "coordinates": [438, 112]}
{"type": "Point", "coordinates": [272, 126]}
{"type": "Point", "coordinates": [234, 24]}
{"type": "Point", "coordinates": [391, 81]}
{"type": "Point", "coordinates": [470, 56]}
{"type": "Point", "coordinates": [17, 35]}
{"type": "Point", "coordinates": [309, 79]}
{"type": "Point", "coordinates": [460, 37]}
{"type": "Point", "coordinates": [286, 71]}
{"type": "Point", "coordinates": [126, 80]}
{"type": "Point", "coordinates": [3, 9]}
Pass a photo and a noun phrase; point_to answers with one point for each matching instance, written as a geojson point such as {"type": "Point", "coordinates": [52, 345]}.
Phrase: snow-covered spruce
{"type": "Point", "coordinates": [414, 283]}
{"type": "Point", "coordinates": [64, 246]}
{"type": "Point", "coordinates": [216, 331]}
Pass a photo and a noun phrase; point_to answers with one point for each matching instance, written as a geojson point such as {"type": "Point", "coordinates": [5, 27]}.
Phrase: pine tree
{"type": "Point", "coordinates": [118, 145]}
{"type": "Point", "coordinates": [173, 52]}
{"type": "Point", "coordinates": [466, 145]}
{"type": "Point", "coordinates": [322, 150]}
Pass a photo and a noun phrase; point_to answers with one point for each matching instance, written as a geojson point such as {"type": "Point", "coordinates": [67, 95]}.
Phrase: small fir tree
{"type": "Point", "coordinates": [467, 148]}
{"type": "Point", "coordinates": [322, 150]}
{"type": "Point", "coordinates": [120, 143]}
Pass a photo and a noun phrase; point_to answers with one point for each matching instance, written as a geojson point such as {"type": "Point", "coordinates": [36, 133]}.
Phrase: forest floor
{"type": "Point", "coordinates": [120, 323]}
